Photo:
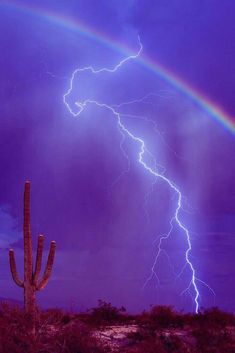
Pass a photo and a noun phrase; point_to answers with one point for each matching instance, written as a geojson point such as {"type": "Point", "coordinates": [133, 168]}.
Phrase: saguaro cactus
{"type": "Point", "coordinates": [31, 282]}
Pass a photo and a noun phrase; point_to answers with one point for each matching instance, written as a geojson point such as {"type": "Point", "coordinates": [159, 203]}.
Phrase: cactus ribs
{"type": "Point", "coordinates": [31, 282]}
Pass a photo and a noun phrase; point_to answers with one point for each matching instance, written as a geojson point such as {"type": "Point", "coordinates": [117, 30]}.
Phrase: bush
{"type": "Point", "coordinates": [162, 344]}
{"type": "Point", "coordinates": [214, 317]}
{"type": "Point", "coordinates": [173, 344]}
{"type": "Point", "coordinates": [106, 314]}
{"type": "Point", "coordinates": [161, 317]}
{"type": "Point", "coordinates": [75, 339]}
{"type": "Point", "coordinates": [150, 345]}
{"type": "Point", "coordinates": [61, 332]}
{"type": "Point", "coordinates": [54, 333]}
{"type": "Point", "coordinates": [213, 341]}
{"type": "Point", "coordinates": [55, 317]}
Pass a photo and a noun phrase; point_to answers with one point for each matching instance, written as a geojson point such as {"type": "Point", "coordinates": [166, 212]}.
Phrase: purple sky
{"type": "Point", "coordinates": [105, 226]}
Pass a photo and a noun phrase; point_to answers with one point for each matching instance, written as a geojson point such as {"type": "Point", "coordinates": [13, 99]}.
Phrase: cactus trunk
{"type": "Point", "coordinates": [28, 256]}
{"type": "Point", "coordinates": [29, 290]}
{"type": "Point", "coordinates": [29, 298]}
{"type": "Point", "coordinates": [31, 282]}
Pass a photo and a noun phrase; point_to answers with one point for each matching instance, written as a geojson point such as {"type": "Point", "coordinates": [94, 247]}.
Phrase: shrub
{"type": "Point", "coordinates": [150, 345]}
{"type": "Point", "coordinates": [161, 317]}
{"type": "Point", "coordinates": [75, 339]}
{"type": "Point", "coordinates": [107, 314]}
{"type": "Point", "coordinates": [61, 332]}
{"type": "Point", "coordinates": [55, 317]}
{"type": "Point", "coordinates": [214, 317]}
{"type": "Point", "coordinates": [213, 340]}
{"type": "Point", "coordinates": [54, 333]}
{"type": "Point", "coordinates": [173, 344]}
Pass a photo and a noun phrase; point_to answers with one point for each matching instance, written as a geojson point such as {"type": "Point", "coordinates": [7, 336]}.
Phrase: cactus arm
{"type": "Point", "coordinates": [48, 269]}
{"type": "Point", "coordinates": [14, 270]}
{"type": "Point", "coordinates": [28, 257]}
{"type": "Point", "coordinates": [31, 282]}
{"type": "Point", "coordinates": [38, 264]}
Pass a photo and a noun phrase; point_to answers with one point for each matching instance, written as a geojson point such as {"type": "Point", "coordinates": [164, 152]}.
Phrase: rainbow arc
{"type": "Point", "coordinates": [69, 23]}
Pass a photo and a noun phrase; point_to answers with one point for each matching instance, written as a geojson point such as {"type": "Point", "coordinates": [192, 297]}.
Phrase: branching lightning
{"type": "Point", "coordinates": [156, 172]}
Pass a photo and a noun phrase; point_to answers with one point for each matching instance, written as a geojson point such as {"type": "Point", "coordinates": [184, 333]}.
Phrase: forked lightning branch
{"type": "Point", "coordinates": [175, 221]}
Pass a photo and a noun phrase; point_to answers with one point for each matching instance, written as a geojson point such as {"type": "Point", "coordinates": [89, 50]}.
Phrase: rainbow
{"type": "Point", "coordinates": [164, 73]}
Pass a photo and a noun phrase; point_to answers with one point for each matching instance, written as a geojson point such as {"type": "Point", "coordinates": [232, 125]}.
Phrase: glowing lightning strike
{"type": "Point", "coordinates": [81, 105]}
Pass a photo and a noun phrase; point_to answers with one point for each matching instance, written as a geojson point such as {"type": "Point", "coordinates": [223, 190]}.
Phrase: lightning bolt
{"type": "Point", "coordinates": [157, 173]}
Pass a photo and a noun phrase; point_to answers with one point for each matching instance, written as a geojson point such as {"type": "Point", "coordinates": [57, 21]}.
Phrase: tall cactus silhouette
{"type": "Point", "coordinates": [31, 282]}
